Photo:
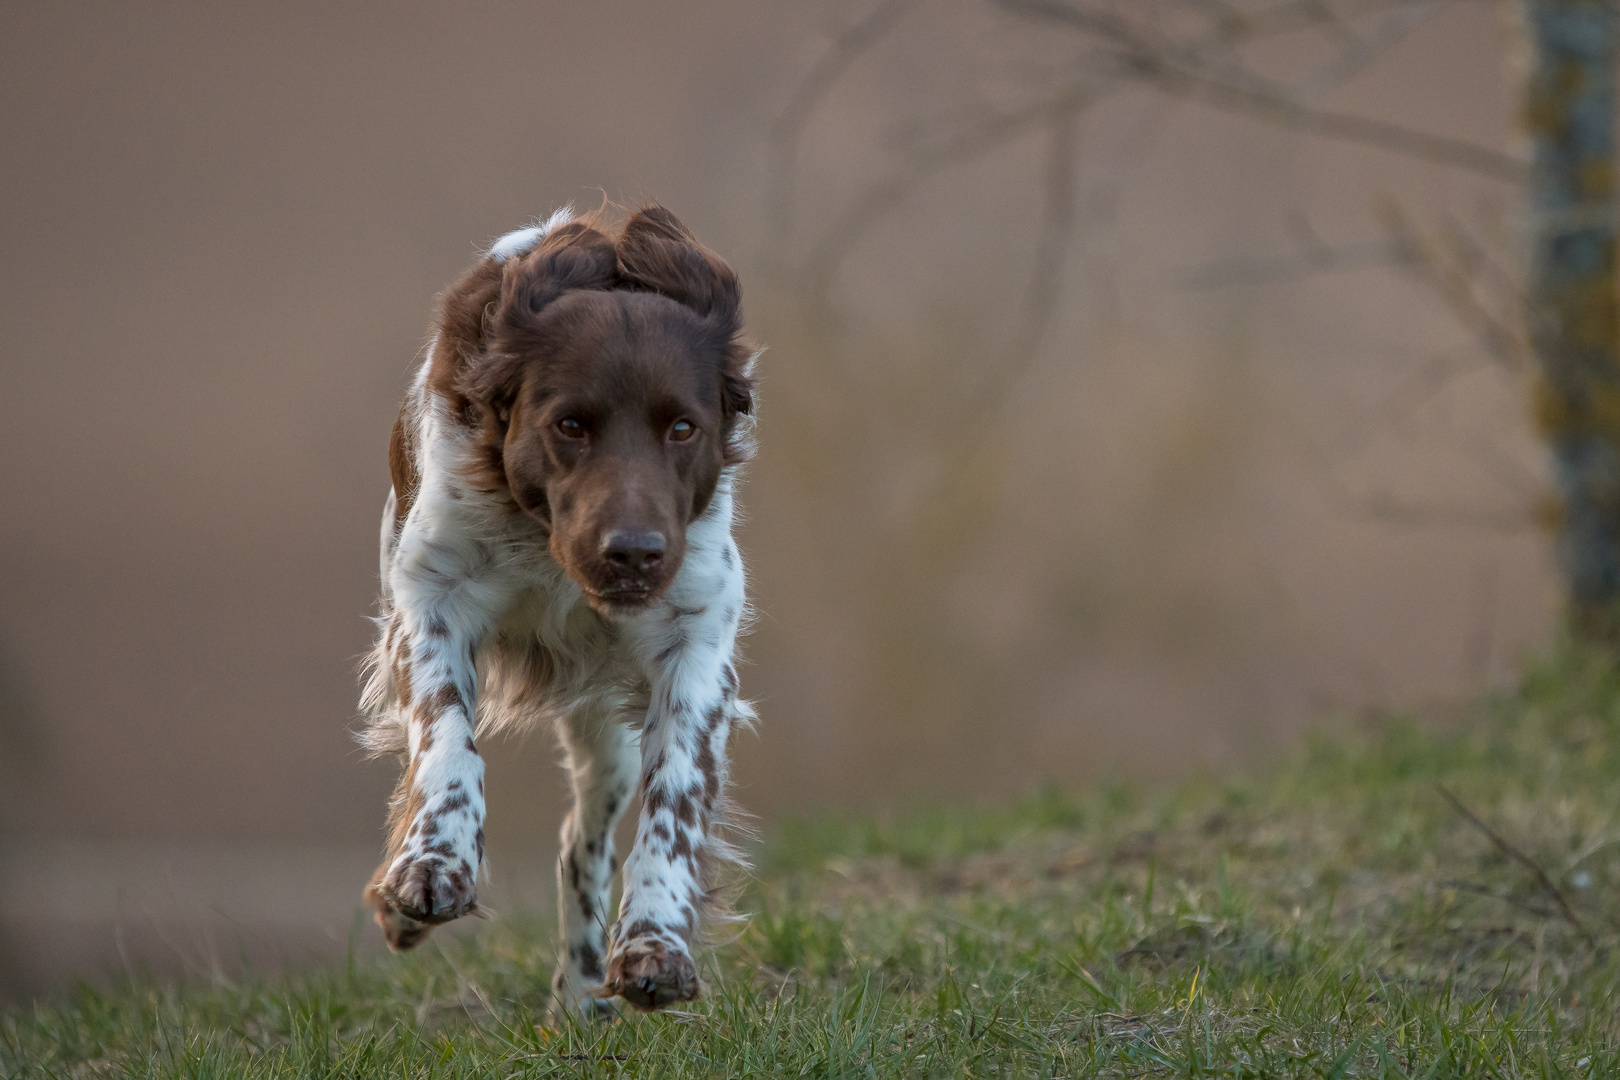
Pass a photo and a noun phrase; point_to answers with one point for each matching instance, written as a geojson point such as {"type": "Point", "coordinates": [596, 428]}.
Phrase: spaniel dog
{"type": "Point", "coordinates": [557, 548]}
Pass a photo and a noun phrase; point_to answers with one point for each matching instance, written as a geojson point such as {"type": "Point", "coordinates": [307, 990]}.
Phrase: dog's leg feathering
{"type": "Point", "coordinates": [429, 874]}
{"type": "Point", "coordinates": [602, 760]}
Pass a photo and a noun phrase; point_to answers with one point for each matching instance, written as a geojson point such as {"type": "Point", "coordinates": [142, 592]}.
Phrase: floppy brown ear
{"type": "Point", "coordinates": [658, 254]}
{"type": "Point", "coordinates": [573, 256]}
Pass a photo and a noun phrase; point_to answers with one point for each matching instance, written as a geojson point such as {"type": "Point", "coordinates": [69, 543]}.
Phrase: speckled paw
{"type": "Point", "coordinates": [417, 894]}
{"type": "Point", "coordinates": [649, 974]}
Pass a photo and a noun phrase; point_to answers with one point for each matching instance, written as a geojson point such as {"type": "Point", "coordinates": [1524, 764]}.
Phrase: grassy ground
{"type": "Point", "coordinates": [1337, 915]}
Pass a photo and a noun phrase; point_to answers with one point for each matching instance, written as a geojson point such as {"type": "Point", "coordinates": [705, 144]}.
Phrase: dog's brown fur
{"type": "Point", "coordinates": [573, 436]}
{"type": "Point", "coordinates": [629, 335]}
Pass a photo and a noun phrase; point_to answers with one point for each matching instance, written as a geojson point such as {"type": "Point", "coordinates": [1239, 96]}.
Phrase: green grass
{"type": "Point", "coordinates": [1331, 916]}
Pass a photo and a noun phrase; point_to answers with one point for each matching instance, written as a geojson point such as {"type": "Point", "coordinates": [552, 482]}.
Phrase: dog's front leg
{"type": "Point", "coordinates": [429, 874]}
{"type": "Point", "coordinates": [665, 888]}
{"type": "Point", "coordinates": [602, 766]}
{"type": "Point", "coordinates": [668, 874]}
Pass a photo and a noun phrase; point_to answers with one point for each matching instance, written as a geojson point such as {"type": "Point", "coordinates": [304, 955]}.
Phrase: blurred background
{"type": "Point", "coordinates": [1110, 427]}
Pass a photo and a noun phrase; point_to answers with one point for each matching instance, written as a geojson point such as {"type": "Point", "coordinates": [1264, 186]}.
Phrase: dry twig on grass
{"type": "Point", "coordinates": [1553, 891]}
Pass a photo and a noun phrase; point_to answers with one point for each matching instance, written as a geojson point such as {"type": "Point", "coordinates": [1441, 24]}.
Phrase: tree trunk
{"type": "Point", "coordinates": [1572, 292]}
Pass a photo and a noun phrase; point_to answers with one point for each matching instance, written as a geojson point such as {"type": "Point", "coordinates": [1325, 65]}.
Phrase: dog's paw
{"type": "Point", "coordinates": [424, 889]}
{"type": "Point", "coordinates": [650, 974]}
{"type": "Point", "coordinates": [400, 931]}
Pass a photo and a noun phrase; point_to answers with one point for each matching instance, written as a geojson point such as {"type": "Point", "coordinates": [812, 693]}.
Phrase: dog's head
{"type": "Point", "coordinates": [608, 386]}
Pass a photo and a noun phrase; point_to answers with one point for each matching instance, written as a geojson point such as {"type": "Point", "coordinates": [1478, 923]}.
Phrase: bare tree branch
{"type": "Point", "coordinates": [1366, 48]}
{"type": "Point", "coordinates": [1452, 261]}
{"type": "Point", "coordinates": [1052, 247]}
{"type": "Point", "coordinates": [1277, 107]}
{"type": "Point", "coordinates": [845, 50]}
{"type": "Point", "coordinates": [1553, 891]}
{"type": "Point", "coordinates": [1449, 262]}
{"type": "Point", "coordinates": [1130, 53]}
{"type": "Point", "coordinates": [1120, 48]}
{"type": "Point", "coordinates": [789, 124]}
{"type": "Point", "coordinates": [1236, 26]}
{"type": "Point", "coordinates": [1227, 85]}
{"type": "Point", "coordinates": [881, 197]}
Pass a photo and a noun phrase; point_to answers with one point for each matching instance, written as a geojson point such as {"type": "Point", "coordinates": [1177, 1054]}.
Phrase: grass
{"type": "Point", "coordinates": [1333, 916]}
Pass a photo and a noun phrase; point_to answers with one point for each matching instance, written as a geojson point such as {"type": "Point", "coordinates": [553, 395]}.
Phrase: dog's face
{"type": "Point", "coordinates": [615, 408]}
{"type": "Point", "coordinates": [616, 440]}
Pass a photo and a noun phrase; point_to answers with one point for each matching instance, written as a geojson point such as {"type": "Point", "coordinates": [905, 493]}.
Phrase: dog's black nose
{"type": "Point", "coordinates": [640, 550]}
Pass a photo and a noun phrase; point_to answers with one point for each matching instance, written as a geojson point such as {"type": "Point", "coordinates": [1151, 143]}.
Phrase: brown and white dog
{"type": "Point", "coordinates": [557, 548]}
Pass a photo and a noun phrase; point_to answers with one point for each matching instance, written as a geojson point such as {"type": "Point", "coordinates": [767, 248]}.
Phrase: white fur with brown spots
{"type": "Point", "coordinates": [482, 630]}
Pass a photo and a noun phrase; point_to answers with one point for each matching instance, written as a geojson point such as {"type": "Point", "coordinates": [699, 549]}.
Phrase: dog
{"type": "Point", "coordinates": [557, 548]}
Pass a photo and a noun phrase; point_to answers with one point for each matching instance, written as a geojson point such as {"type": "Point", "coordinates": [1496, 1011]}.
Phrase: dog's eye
{"type": "Point", "coordinates": [571, 428]}
{"type": "Point", "coordinates": [682, 430]}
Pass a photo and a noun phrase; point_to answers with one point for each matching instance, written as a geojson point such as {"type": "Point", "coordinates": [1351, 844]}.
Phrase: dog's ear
{"type": "Point", "coordinates": [658, 254]}
{"type": "Point", "coordinates": [572, 256]}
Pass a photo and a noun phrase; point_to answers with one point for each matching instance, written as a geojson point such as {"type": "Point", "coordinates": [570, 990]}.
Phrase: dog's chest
{"type": "Point", "coordinates": [548, 610]}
